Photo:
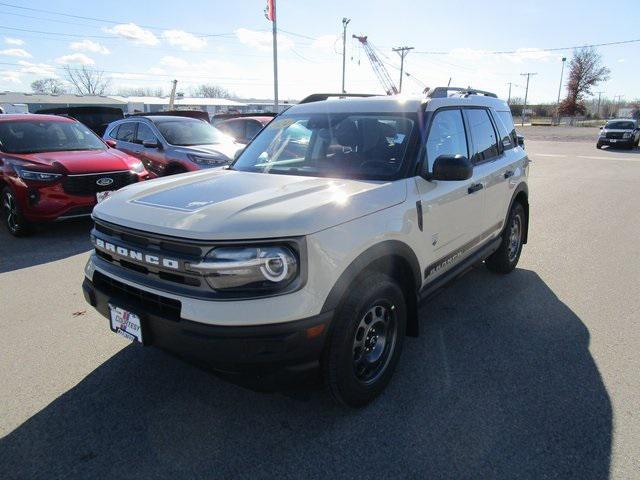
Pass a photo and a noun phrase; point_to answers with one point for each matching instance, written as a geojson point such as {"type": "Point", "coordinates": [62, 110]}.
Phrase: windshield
{"type": "Point", "coordinates": [366, 146]}
{"type": "Point", "coordinates": [190, 132]}
{"type": "Point", "coordinates": [620, 125]}
{"type": "Point", "coordinates": [39, 136]}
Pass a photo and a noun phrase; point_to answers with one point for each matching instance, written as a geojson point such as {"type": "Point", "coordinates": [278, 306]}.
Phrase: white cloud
{"type": "Point", "coordinates": [76, 58]}
{"type": "Point", "coordinates": [37, 69]}
{"type": "Point", "coordinates": [325, 43]}
{"type": "Point", "coordinates": [622, 60]}
{"type": "Point", "coordinates": [10, 76]}
{"type": "Point", "coordinates": [13, 41]}
{"type": "Point", "coordinates": [173, 62]}
{"type": "Point", "coordinates": [157, 71]}
{"type": "Point", "coordinates": [518, 56]}
{"type": "Point", "coordinates": [133, 32]}
{"type": "Point", "coordinates": [184, 40]}
{"type": "Point", "coordinates": [89, 46]}
{"type": "Point", "coordinates": [263, 40]}
{"type": "Point", "coordinates": [15, 52]}
{"type": "Point", "coordinates": [128, 76]}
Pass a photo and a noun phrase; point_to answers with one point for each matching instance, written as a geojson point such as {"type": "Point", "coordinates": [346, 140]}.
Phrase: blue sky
{"type": "Point", "coordinates": [148, 43]}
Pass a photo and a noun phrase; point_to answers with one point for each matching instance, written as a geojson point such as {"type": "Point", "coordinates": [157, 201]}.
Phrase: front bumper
{"type": "Point", "coordinates": [294, 346]}
{"type": "Point", "coordinates": [616, 142]}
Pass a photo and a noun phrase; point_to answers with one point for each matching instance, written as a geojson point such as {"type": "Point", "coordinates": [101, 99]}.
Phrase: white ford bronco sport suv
{"type": "Point", "coordinates": [315, 247]}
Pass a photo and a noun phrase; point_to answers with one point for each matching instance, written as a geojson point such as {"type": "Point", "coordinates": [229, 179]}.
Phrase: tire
{"type": "Point", "coordinates": [598, 146]}
{"type": "Point", "coordinates": [506, 257]}
{"type": "Point", "coordinates": [365, 341]}
{"type": "Point", "coordinates": [637, 142]}
{"type": "Point", "coordinates": [12, 216]}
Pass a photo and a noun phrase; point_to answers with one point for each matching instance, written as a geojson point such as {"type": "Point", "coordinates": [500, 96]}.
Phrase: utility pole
{"type": "Point", "coordinates": [564, 59]}
{"type": "Point", "coordinates": [598, 109]}
{"type": "Point", "coordinates": [509, 97]}
{"type": "Point", "coordinates": [345, 22]}
{"type": "Point", "coordinates": [526, 92]}
{"type": "Point", "coordinates": [270, 14]}
{"type": "Point", "coordinates": [403, 52]}
{"type": "Point", "coordinates": [617, 103]}
{"type": "Point", "coordinates": [172, 97]}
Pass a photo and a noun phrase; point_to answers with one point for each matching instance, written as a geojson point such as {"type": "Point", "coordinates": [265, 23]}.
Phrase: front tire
{"type": "Point", "coordinates": [365, 341]}
{"type": "Point", "coordinates": [12, 216]}
{"type": "Point", "coordinates": [506, 257]}
{"type": "Point", "coordinates": [598, 145]}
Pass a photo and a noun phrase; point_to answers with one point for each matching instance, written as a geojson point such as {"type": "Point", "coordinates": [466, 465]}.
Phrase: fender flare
{"type": "Point", "coordinates": [521, 188]}
{"type": "Point", "coordinates": [365, 259]}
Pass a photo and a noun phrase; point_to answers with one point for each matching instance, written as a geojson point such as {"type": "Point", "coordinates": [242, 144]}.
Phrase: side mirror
{"type": "Point", "coordinates": [521, 140]}
{"type": "Point", "coordinates": [452, 168]}
{"type": "Point", "coordinates": [151, 144]}
{"type": "Point", "coordinates": [111, 143]}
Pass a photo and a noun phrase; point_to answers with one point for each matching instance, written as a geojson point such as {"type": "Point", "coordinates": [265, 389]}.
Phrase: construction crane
{"type": "Point", "coordinates": [378, 67]}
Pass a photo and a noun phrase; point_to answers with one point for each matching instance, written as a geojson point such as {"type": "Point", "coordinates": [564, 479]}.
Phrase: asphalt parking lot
{"type": "Point", "coordinates": [531, 375]}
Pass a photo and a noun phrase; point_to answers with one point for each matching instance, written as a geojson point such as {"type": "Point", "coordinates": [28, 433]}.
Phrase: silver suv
{"type": "Point", "coordinates": [314, 248]}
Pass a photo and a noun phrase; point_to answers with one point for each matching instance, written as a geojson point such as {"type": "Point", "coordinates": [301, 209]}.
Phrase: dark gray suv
{"type": "Point", "coordinates": [169, 144]}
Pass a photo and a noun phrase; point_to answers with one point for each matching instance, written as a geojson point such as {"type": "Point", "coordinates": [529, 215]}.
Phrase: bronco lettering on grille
{"type": "Point", "coordinates": [136, 255]}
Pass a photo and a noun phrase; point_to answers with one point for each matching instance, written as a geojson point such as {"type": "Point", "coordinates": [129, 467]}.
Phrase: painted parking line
{"type": "Point", "coordinates": [593, 157]}
{"type": "Point", "coordinates": [556, 155]}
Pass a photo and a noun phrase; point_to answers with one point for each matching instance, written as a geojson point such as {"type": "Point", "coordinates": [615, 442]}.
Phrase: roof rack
{"type": "Point", "coordinates": [319, 97]}
{"type": "Point", "coordinates": [443, 92]}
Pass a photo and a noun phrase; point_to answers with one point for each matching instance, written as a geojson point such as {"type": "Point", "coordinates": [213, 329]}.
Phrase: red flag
{"type": "Point", "coordinates": [270, 11]}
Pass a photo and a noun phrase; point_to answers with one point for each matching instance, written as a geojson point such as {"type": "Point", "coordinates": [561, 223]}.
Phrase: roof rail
{"type": "Point", "coordinates": [319, 97]}
{"type": "Point", "coordinates": [443, 92]}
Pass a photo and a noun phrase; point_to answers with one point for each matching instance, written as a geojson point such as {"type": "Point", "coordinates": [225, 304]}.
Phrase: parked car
{"type": "Point", "coordinates": [622, 132]}
{"type": "Point", "coordinates": [317, 258]}
{"type": "Point", "coordinates": [168, 144]}
{"type": "Point", "coordinates": [197, 114]}
{"type": "Point", "coordinates": [242, 127]}
{"type": "Point", "coordinates": [96, 118]}
{"type": "Point", "coordinates": [53, 168]}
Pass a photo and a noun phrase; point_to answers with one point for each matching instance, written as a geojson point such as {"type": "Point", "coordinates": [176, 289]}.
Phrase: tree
{"type": "Point", "coordinates": [211, 91]}
{"type": "Point", "coordinates": [585, 72]}
{"type": "Point", "coordinates": [48, 86]}
{"type": "Point", "coordinates": [86, 80]}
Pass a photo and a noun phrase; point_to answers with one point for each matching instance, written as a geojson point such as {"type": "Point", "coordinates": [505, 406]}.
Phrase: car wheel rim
{"type": "Point", "coordinates": [515, 237]}
{"type": "Point", "coordinates": [11, 212]}
{"type": "Point", "coordinates": [374, 342]}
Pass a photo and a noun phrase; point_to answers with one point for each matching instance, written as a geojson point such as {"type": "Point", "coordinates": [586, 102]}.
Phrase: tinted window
{"type": "Point", "coordinates": [253, 127]}
{"type": "Point", "coordinates": [235, 128]}
{"type": "Point", "coordinates": [337, 145]}
{"type": "Point", "coordinates": [126, 132]}
{"type": "Point", "coordinates": [621, 125]}
{"type": "Point", "coordinates": [507, 121]}
{"type": "Point", "coordinates": [446, 136]}
{"type": "Point", "coordinates": [503, 133]}
{"type": "Point", "coordinates": [190, 132]}
{"type": "Point", "coordinates": [145, 134]}
{"type": "Point", "coordinates": [34, 137]}
{"type": "Point", "coordinates": [114, 132]}
{"type": "Point", "coordinates": [484, 136]}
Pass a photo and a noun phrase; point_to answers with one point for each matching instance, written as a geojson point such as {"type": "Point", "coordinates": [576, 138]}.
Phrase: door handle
{"type": "Point", "coordinates": [508, 174]}
{"type": "Point", "coordinates": [474, 188]}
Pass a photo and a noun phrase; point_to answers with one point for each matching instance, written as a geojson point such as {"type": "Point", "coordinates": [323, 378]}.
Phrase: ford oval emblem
{"type": "Point", "coordinates": [104, 181]}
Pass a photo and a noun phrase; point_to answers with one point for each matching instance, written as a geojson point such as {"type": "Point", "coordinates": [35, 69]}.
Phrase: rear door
{"type": "Point", "coordinates": [452, 210]}
{"type": "Point", "coordinates": [125, 139]}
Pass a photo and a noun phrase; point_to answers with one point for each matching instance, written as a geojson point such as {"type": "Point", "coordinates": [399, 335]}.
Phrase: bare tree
{"type": "Point", "coordinates": [211, 91]}
{"type": "Point", "coordinates": [585, 72]}
{"type": "Point", "coordinates": [50, 86]}
{"type": "Point", "coordinates": [140, 92]}
{"type": "Point", "coordinates": [87, 81]}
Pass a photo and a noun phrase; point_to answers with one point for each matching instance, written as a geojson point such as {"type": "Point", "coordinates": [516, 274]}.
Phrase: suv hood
{"type": "Point", "coordinates": [231, 205]}
{"type": "Point", "coordinates": [81, 161]}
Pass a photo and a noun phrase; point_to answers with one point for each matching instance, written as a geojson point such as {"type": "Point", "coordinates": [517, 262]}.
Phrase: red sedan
{"type": "Point", "coordinates": [53, 168]}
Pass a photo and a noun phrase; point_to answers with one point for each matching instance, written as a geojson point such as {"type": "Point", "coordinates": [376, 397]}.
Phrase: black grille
{"type": "Point", "coordinates": [87, 184]}
{"type": "Point", "coordinates": [616, 135]}
{"type": "Point", "coordinates": [146, 301]}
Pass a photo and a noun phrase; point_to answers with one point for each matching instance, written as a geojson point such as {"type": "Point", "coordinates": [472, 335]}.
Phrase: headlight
{"type": "Point", "coordinates": [209, 161]}
{"type": "Point", "coordinates": [137, 167]}
{"type": "Point", "coordinates": [626, 135]}
{"type": "Point", "coordinates": [603, 133]}
{"type": "Point", "coordinates": [36, 176]}
{"type": "Point", "coordinates": [260, 268]}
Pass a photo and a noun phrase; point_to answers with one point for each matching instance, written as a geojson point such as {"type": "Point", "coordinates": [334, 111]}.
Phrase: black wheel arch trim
{"type": "Point", "coordinates": [367, 258]}
{"type": "Point", "coordinates": [521, 188]}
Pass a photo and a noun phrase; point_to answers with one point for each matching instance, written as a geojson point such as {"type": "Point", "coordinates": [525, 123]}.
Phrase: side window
{"type": "Point", "coordinates": [253, 127]}
{"type": "Point", "coordinates": [126, 132]}
{"type": "Point", "coordinates": [114, 132]}
{"type": "Point", "coordinates": [484, 136]}
{"type": "Point", "coordinates": [446, 136]}
{"type": "Point", "coordinates": [235, 128]}
{"type": "Point", "coordinates": [145, 134]}
{"type": "Point", "coordinates": [507, 121]}
{"type": "Point", "coordinates": [503, 133]}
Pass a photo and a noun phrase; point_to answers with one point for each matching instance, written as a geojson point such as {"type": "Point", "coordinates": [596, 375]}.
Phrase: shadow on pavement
{"type": "Point", "coordinates": [500, 384]}
{"type": "Point", "coordinates": [50, 242]}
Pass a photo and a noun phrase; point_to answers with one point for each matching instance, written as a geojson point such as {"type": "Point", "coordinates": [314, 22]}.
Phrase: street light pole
{"type": "Point", "coordinates": [564, 59]}
{"type": "Point", "coordinates": [598, 109]}
{"type": "Point", "coordinates": [345, 22]}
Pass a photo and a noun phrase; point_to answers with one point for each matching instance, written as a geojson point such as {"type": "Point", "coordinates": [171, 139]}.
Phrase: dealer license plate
{"type": "Point", "coordinates": [125, 323]}
{"type": "Point", "coordinates": [613, 141]}
{"type": "Point", "coordinates": [100, 196]}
